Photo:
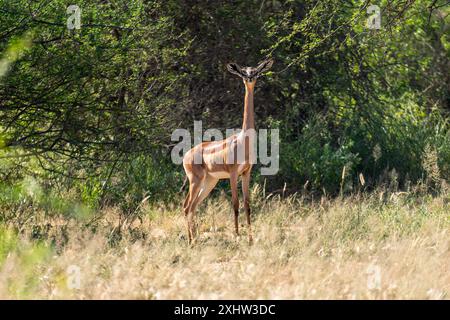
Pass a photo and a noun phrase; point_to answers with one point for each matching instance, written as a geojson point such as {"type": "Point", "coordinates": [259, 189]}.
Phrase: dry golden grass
{"type": "Point", "coordinates": [360, 247]}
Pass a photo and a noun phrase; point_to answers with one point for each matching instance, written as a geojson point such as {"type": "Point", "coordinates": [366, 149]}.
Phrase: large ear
{"type": "Point", "coordinates": [264, 66]}
{"type": "Point", "coordinates": [235, 69]}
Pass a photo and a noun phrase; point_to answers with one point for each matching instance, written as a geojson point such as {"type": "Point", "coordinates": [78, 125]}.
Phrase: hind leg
{"type": "Point", "coordinates": [189, 209]}
{"type": "Point", "coordinates": [186, 212]}
{"type": "Point", "coordinates": [197, 176]}
{"type": "Point", "coordinates": [186, 202]}
{"type": "Point", "coordinates": [205, 188]}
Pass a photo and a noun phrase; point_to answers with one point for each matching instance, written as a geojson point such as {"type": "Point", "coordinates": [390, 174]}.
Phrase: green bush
{"type": "Point", "coordinates": [152, 177]}
{"type": "Point", "coordinates": [317, 158]}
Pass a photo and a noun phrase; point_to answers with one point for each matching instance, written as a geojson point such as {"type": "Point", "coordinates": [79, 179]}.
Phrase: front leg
{"type": "Point", "coordinates": [235, 199]}
{"type": "Point", "coordinates": [246, 193]}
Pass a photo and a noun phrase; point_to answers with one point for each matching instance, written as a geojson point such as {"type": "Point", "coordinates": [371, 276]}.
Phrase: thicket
{"type": "Point", "coordinates": [91, 111]}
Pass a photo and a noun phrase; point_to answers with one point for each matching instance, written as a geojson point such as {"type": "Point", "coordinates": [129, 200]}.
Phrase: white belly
{"type": "Point", "coordinates": [220, 175]}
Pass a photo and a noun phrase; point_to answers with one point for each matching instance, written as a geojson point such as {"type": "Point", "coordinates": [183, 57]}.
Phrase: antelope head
{"type": "Point", "coordinates": [250, 74]}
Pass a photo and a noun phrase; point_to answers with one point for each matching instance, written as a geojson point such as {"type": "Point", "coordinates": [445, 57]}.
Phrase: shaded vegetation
{"type": "Point", "coordinates": [93, 109]}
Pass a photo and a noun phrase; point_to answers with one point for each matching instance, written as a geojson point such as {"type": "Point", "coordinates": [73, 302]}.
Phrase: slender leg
{"type": "Point", "coordinates": [186, 212]}
{"type": "Point", "coordinates": [246, 193]}
{"type": "Point", "coordinates": [206, 186]}
{"type": "Point", "coordinates": [206, 189]}
{"type": "Point", "coordinates": [186, 203]}
{"type": "Point", "coordinates": [235, 200]}
{"type": "Point", "coordinates": [194, 190]}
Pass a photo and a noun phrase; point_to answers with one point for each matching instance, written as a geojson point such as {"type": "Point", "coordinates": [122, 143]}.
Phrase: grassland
{"type": "Point", "coordinates": [374, 246]}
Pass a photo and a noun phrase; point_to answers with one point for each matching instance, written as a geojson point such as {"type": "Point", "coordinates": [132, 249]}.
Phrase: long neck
{"type": "Point", "coordinates": [249, 113]}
